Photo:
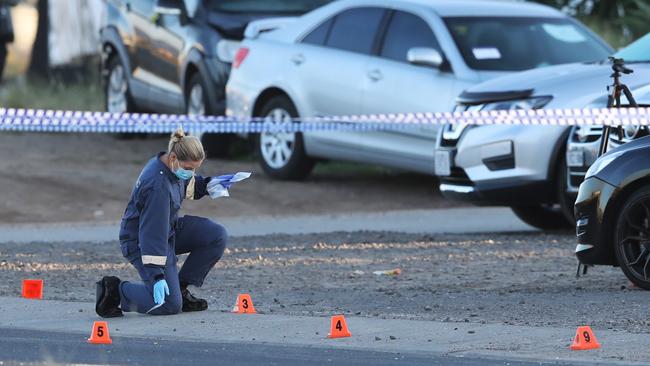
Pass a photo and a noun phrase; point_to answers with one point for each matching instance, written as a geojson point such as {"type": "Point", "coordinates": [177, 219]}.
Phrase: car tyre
{"type": "Point", "coordinates": [632, 238]}
{"type": "Point", "coordinates": [117, 96]}
{"type": "Point", "coordinates": [544, 217]}
{"type": "Point", "coordinates": [282, 155]}
{"type": "Point", "coordinates": [197, 103]}
{"type": "Point", "coordinates": [565, 200]}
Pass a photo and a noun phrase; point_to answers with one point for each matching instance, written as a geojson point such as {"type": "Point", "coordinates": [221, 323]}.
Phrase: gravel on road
{"type": "Point", "coordinates": [521, 279]}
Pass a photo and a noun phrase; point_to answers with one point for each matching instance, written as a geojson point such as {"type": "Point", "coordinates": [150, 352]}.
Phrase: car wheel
{"type": "Point", "coordinates": [117, 97]}
{"type": "Point", "coordinates": [545, 217]}
{"type": "Point", "coordinates": [565, 200]}
{"type": "Point", "coordinates": [632, 238]}
{"type": "Point", "coordinates": [197, 104]}
{"type": "Point", "coordinates": [282, 155]}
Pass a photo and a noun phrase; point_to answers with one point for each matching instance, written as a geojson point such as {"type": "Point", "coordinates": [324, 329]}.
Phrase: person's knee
{"type": "Point", "coordinates": [218, 238]}
{"type": "Point", "coordinates": [173, 305]}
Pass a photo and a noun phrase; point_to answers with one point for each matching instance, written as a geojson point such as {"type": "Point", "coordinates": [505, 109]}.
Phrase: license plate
{"type": "Point", "coordinates": [443, 163]}
{"type": "Point", "coordinates": [575, 158]}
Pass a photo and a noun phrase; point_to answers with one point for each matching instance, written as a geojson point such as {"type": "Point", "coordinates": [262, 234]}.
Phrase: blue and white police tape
{"type": "Point", "coordinates": [29, 120]}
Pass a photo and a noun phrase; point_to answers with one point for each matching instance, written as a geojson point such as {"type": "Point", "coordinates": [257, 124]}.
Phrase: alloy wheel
{"type": "Point", "coordinates": [634, 240]}
{"type": "Point", "coordinates": [196, 105]}
{"type": "Point", "coordinates": [277, 147]}
{"type": "Point", "coordinates": [117, 89]}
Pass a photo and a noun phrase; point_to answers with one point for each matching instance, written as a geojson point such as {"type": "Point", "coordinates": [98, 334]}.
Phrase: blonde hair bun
{"type": "Point", "coordinates": [177, 135]}
{"type": "Point", "coordinates": [186, 148]}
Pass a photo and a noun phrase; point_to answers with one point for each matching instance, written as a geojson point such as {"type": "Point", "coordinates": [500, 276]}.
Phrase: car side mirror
{"type": "Point", "coordinates": [425, 56]}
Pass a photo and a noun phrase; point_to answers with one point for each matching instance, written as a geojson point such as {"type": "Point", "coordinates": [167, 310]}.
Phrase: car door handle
{"type": "Point", "coordinates": [298, 59]}
{"type": "Point", "coordinates": [375, 75]}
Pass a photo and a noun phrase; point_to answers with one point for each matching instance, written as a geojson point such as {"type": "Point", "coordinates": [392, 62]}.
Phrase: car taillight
{"type": "Point", "coordinates": [242, 52]}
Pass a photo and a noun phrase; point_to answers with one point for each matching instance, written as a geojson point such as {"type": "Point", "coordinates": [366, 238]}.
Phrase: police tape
{"type": "Point", "coordinates": [35, 120]}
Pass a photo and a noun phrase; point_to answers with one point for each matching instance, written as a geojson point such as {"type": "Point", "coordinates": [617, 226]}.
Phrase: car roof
{"type": "Point", "coordinates": [468, 8]}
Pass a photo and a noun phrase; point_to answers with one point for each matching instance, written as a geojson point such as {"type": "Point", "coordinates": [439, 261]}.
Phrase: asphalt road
{"type": "Point", "coordinates": [40, 347]}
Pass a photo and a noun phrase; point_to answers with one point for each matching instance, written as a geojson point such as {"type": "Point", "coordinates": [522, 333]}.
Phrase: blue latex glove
{"type": "Point", "coordinates": [224, 180]}
{"type": "Point", "coordinates": [160, 289]}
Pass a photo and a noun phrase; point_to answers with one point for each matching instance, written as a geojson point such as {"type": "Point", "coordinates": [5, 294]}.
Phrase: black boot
{"type": "Point", "coordinates": [191, 303]}
{"type": "Point", "coordinates": [108, 297]}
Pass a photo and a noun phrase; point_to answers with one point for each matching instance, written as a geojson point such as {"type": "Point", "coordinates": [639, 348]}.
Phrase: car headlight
{"type": "Point", "coordinates": [226, 50]}
{"type": "Point", "coordinates": [529, 103]}
{"type": "Point", "coordinates": [601, 163]}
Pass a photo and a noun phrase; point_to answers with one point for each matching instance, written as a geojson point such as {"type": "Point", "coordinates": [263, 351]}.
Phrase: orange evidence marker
{"type": "Point", "coordinates": [33, 289]}
{"type": "Point", "coordinates": [244, 305]}
{"type": "Point", "coordinates": [100, 334]}
{"type": "Point", "coordinates": [584, 340]}
{"type": "Point", "coordinates": [339, 329]}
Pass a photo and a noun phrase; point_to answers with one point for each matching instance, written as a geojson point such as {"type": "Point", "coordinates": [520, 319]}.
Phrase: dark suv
{"type": "Point", "coordinates": [174, 56]}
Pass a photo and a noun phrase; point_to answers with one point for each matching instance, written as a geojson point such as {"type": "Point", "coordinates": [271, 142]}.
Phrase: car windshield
{"type": "Point", "coordinates": [637, 51]}
{"type": "Point", "coordinates": [514, 44]}
{"type": "Point", "coordinates": [265, 6]}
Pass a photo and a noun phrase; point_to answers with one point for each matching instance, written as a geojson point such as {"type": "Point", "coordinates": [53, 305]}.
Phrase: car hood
{"type": "Point", "coordinates": [233, 25]}
{"type": "Point", "coordinates": [571, 85]}
{"type": "Point", "coordinates": [640, 143]}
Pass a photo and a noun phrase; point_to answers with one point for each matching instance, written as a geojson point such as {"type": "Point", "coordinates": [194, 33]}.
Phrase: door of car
{"type": "Point", "coordinates": [393, 85]}
{"type": "Point", "coordinates": [139, 14]}
{"type": "Point", "coordinates": [156, 49]}
{"type": "Point", "coordinates": [328, 72]}
{"type": "Point", "coordinates": [168, 39]}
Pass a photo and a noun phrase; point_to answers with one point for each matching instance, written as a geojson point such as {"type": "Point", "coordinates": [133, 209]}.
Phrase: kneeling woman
{"type": "Point", "coordinates": [152, 234]}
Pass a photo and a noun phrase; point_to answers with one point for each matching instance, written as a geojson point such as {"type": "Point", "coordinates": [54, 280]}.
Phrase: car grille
{"type": "Point", "coordinates": [452, 132]}
{"type": "Point", "coordinates": [457, 177]}
{"type": "Point", "coordinates": [577, 176]}
{"type": "Point", "coordinates": [583, 134]}
{"type": "Point", "coordinates": [586, 134]}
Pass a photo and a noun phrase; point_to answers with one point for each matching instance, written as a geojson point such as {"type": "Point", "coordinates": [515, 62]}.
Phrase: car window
{"type": "Point", "coordinates": [319, 35]}
{"type": "Point", "coordinates": [404, 32]}
{"type": "Point", "coordinates": [192, 6]}
{"type": "Point", "coordinates": [521, 43]}
{"type": "Point", "coordinates": [264, 6]}
{"type": "Point", "coordinates": [355, 29]}
{"type": "Point", "coordinates": [144, 7]}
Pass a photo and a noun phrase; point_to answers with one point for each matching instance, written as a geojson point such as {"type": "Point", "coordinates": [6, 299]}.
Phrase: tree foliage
{"type": "Point", "coordinates": [618, 21]}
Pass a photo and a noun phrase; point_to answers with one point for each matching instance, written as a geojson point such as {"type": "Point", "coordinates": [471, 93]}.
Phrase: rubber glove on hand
{"type": "Point", "coordinates": [160, 289]}
{"type": "Point", "coordinates": [227, 177]}
{"type": "Point", "coordinates": [224, 180]}
{"type": "Point", "coordinates": [218, 186]}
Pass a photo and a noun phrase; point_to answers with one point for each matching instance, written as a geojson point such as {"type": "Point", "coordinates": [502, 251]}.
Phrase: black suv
{"type": "Point", "coordinates": [174, 56]}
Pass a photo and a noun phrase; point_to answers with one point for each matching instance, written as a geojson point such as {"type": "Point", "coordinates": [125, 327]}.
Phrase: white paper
{"type": "Point", "coordinates": [217, 190]}
{"type": "Point", "coordinates": [486, 53]}
{"type": "Point", "coordinates": [240, 176]}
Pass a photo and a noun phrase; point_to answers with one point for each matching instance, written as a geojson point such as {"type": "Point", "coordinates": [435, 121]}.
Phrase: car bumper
{"type": "Point", "coordinates": [217, 73]}
{"type": "Point", "coordinates": [579, 157]}
{"type": "Point", "coordinates": [592, 230]}
{"type": "Point", "coordinates": [240, 100]}
{"type": "Point", "coordinates": [240, 97]}
{"type": "Point", "coordinates": [507, 193]}
{"type": "Point", "coordinates": [503, 164]}
{"type": "Point", "coordinates": [495, 165]}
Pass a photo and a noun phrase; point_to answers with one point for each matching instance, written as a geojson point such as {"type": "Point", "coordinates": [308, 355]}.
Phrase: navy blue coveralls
{"type": "Point", "coordinates": [152, 234]}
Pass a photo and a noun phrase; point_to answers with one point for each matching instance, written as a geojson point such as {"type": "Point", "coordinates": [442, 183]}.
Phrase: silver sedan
{"type": "Point", "coordinates": [371, 56]}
